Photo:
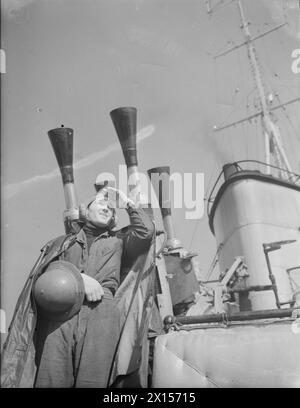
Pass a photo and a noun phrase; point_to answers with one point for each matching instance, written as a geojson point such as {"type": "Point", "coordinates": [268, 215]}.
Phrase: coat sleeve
{"type": "Point", "coordinates": [139, 235]}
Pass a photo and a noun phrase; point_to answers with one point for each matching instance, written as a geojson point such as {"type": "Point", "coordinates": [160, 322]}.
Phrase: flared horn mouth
{"type": "Point", "coordinates": [62, 143]}
{"type": "Point", "coordinates": [124, 120]}
{"type": "Point", "coordinates": [159, 170]}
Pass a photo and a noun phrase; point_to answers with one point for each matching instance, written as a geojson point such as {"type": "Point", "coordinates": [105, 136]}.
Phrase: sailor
{"type": "Point", "coordinates": [76, 348]}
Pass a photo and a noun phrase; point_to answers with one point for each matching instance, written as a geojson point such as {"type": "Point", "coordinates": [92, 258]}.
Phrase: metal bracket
{"type": "Point", "coordinates": [222, 285]}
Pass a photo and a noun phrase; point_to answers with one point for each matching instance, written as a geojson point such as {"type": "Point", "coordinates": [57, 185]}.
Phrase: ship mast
{"type": "Point", "coordinates": [273, 143]}
{"type": "Point", "coordinates": [270, 129]}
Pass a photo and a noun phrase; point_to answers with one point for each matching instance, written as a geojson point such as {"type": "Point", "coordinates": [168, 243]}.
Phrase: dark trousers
{"type": "Point", "coordinates": [78, 352]}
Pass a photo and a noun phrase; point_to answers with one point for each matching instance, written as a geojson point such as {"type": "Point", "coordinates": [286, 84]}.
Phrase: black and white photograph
{"type": "Point", "coordinates": [150, 197]}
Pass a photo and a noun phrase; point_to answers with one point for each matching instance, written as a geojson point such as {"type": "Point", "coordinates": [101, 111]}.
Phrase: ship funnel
{"type": "Point", "coordinates": [62, 143]}
{"type": "Point", "coordinates": [229, 169]}
{"type": "Point", "coordinates": [160, 179]}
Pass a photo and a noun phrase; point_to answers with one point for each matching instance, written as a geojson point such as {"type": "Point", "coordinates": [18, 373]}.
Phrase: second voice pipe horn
{"type": "Point", "coordinates": [124, 120]}
{"type": "Point", "coordinates": [160, 179]}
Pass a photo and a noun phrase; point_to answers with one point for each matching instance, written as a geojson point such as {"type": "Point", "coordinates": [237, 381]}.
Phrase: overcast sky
{"type": "Point", "coordinates": [72, 61]}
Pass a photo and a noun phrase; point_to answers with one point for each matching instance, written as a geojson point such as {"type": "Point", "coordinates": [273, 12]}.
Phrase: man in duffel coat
{"type": "Point", "coordinates": [76, 350]}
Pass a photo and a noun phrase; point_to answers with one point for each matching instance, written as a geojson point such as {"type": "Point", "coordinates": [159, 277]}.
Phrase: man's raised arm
{"type": "Point", "coordinates": [139, 235]}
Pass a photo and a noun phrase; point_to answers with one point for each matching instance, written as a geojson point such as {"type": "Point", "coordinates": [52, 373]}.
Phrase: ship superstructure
{"type": "Point", "coordinates": [247, 335]}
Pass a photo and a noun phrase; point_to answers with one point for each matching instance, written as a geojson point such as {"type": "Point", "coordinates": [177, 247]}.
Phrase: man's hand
{"type": "Point", "coordinates": [120, 197]}
{"type": "Point", "coordinates": [93, 289]}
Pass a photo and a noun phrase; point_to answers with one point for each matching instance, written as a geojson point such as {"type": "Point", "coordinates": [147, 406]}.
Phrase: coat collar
{"type": "Point", "coordinates": [81, 237]}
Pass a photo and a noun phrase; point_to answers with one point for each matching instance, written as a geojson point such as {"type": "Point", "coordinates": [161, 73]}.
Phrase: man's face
{"type": "Point", "coordinates": [99, 214]}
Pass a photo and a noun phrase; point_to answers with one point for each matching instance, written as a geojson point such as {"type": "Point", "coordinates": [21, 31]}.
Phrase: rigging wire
{"type": "Point", "coordinates": [295, 115]}
{"type": "Point", "coordinates": [221, 138]}
{"type": "Point", "coordinates": [212, 176]}
{"type": "Point", "coordinates": [207, 191]}
{"type": "Point", "coordinates": [216, 103]}
{"type": "Point", "coordinates": [214, 262]}
{"type": "Point", "coordinates": [293, 146]}
{"type": "Point", "coordinates": [256, 132]}
{"type": "Point", "coordinates": [268, 58]}
{"type": "Point", "coordinates": [214, 173]}
{"type": "Point", "coordinates": [284, 109]}
{"type": "Point", "coordinates": [245, 102]}
{"type": "Point", "coordinates": [232, 104]}
{"type": "Point", "coordinates": [289, 127]}
{"type": "Point", "coordinates": [194, 233]}
{"type": "Point", "coordinates": [239, 87]}
{"type": "Point", "coordinates": [246, 125]}
{"type": "Point", "coordinates": [216, 81]}
{"type": "Point", "coordinates": [230, 144]}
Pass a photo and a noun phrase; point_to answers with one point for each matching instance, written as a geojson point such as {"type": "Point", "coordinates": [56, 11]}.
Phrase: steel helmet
{"type": "Point", "coordinates": [59, 291]}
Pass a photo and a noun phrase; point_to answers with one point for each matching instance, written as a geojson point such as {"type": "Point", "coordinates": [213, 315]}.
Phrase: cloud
{"type": "Point", "coordinates": [10, 190]}
{"type": "Point", "coordinates": [11, 7]}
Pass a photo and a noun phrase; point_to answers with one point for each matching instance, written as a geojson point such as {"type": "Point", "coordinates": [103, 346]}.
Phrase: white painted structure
{"type": "Point", "coordinates": [250, 212]}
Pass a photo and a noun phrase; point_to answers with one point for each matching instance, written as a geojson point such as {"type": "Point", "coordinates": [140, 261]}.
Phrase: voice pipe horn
{"type": "Point", "coordinates": [124, 120]}
{"type": "Point", "coordinates": [125, 123]}
{"type": "Point", "coordinates": [62, 143]}
{"type": "Point", "coordinates": [160, 179]}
